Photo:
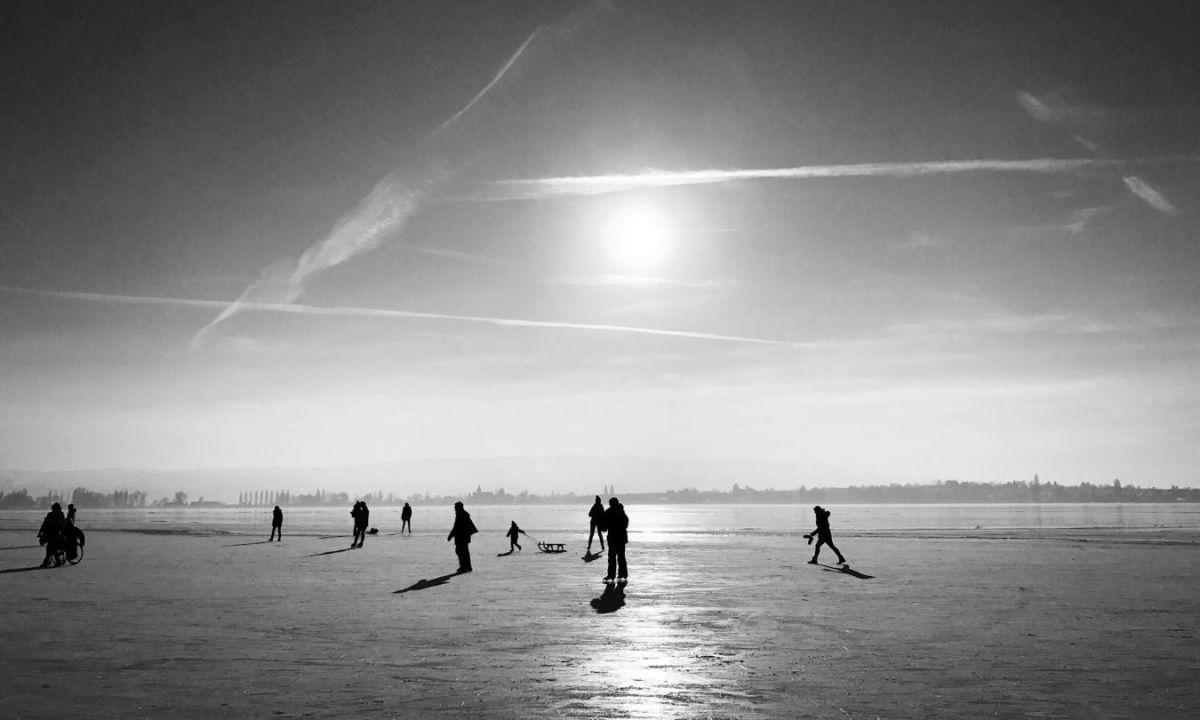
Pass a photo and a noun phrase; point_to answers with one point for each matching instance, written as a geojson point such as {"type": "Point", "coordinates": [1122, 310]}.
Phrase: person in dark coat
{"type": "Point", "coordinates": [461, 535]}
{"type": "Point", "coordinates": [276, 524]}
{"type": "Point", "coordinates": [356, 515]}
{"type": "Point", "coordinates": [596, 524]}
{"type": "Point", "coordinates": [513, 533]}
{"type": "Point", "coordinates": [71, 513]}
{"type": "Point", "coordinates": [823, 535]}
{"type": "Point", "coordinates": [406, 519]}
{"type": "Point", "coordinates": [51, 533]}
{"type": "Point", "coordinates": [617, 523]}
{"type": "Point", "coordinates": [364, 518]}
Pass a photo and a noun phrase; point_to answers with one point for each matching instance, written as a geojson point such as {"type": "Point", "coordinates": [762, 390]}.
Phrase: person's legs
{"type": "Point", "coordinates": [591, 532]}
{"type": "Point", "coordinates": [464, 556]}
{"type": "Point", "coordinates": [622, 571]}
{"type": "Point", "coordinates": [817, 550]}
{"type": "Point", "coordinates": [833, 547]}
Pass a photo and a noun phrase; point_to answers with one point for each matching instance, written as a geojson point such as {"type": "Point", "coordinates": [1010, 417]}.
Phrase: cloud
{"type": "Point", "coordinates": [1153, 197]}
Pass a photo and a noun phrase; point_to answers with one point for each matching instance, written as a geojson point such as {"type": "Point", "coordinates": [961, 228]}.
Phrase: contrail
{"type": "Point", "coordinates": [551, 187]}
{"type": "Point", "coordinates": [400, 195]}
{"type": "Point", "coordinates": [487, 88]}
{"type": "Point", "coordinates": [1153, 197]}
{"type": "Point", "coordinates": [300, 309]}
{"type": "Point", "coordinates": [1056, 112]}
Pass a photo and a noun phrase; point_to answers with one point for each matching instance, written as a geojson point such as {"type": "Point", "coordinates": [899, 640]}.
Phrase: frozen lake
{"type": "Point", "coordinates": [653, 519]}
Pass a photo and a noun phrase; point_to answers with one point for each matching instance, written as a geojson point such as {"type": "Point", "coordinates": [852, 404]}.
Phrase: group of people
{"type": "Point", "coordinates": [611, 522]}
{"type": "Point", "coordinates": [361, 515]}
{"type": "Point", "coordinates": [58, 534]}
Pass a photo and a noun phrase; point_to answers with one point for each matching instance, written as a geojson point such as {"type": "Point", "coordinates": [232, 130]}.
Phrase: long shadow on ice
{"type": "Point", "coordinates": [17, 570]}
{"type": "Point", "coordinates": [19, 547]}
{"type": "Point", "coordinates": [331, 552]}
{"type": "Point", "coordinates": [611, 600]}
{"type": "Point", "coordinates": [845, 570]}
{"type": "Point", "coordinates": [423, 583]}
{"type": "Point", "coordinates": [256, 542]}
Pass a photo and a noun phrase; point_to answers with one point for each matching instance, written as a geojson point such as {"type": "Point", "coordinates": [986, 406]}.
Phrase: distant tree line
{"type": "Point", "coordinates": [940, 491]}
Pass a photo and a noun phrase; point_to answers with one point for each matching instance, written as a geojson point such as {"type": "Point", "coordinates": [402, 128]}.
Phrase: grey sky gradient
{"type": "Point", "coordinates": [903, 241]}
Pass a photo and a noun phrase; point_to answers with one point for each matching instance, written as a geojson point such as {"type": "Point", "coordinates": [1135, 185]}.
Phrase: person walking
{"type": "Point", "coordinates": [513, 533]}
{"type": "Point", "coordinates": [596, 524]}
{"type": "Point", "coordinates": [406, 519]}
{"type": "Point", "coordinates": [461, 534]}
{"type": "Point", "coordinates": [823, 535]}
{"type": "Point", "coordinates": [617, 523]}
{"type": "Point", "coordinates": [276, 524]}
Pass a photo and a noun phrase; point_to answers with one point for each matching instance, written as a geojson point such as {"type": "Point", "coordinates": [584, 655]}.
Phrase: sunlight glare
{"type": "Point", "coordinates": [639, 237]}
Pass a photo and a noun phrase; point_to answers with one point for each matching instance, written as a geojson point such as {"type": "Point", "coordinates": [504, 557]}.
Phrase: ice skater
{"type": "Point", "coordinates": [823, 535]}
{"type": "Point", "coordinates": [461, 535]}
{"type": "Point", "coordinates": [276, 524]}
{"type": "Point", "coordinates": [596, 524]}
{"type": "Point", "coordinates": [513, 533]}
{"type": "Point", "coordinates": [617, 523]}
{"type": "Point", "coordinates": [406, 519]}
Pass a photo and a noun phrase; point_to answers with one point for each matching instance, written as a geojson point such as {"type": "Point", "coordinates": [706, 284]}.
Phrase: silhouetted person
{"type": "Point", "coordinates": [406, 519]}
{"type": "Point", "coordinates": [365, 517]}
{"type": "Point", "coordinates": [617, 524]}
{"type": "Point", "coordinates": [461, 535]}
{"type": "Point", "coordinates": [824, 536]}
{"type": "Point", "coordinates": [71, 513]}
{"type": "Point", "coordinates": [51, 533]}
{"type": "Point", "coordinates": [596, 524]}
{"type": "Point", "coordinates": [276, 524]}
{"type": "Point", "coordinates": [513, 533]}
{"type": "Point", "coordinates": [360, 527]}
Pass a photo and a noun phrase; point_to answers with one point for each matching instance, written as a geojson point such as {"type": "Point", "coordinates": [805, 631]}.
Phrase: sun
{"type": "Point", "coordinates": [639, 237]}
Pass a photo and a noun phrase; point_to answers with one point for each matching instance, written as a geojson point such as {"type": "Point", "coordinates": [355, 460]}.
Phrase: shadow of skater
{"type": "Point", "coordinates": [824, 536]}
{"type": "Point", "coordinates": [332, 552]}
{"type": "Point", "coordinates": [611, 600]}
{"type": "Point", "coordinates": [423, 583]}
{"type": "Point", "coordinates": [24, 569]}
{"type": "Point", "coordinates": [461, 535]}
{"type": "Point", "coordinates": [846, 570]}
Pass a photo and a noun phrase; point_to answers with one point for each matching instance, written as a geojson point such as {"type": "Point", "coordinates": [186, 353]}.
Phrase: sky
{"type": "Point", "coordinates": [877, 242]}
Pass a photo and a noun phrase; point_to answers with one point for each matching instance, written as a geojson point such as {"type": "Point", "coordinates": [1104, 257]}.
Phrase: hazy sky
{"type": "Point", "coordinates": [886, 241]}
